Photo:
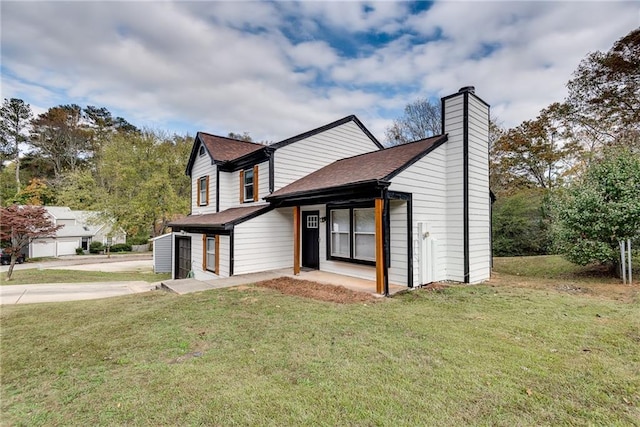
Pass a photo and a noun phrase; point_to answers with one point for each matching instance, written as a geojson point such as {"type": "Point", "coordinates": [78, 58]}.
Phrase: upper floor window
{"type": "Point", "coordinates": [203, 191]}
{"type": "Point", "coordinates": [249, 185]}
{"type": "Point", "coordinates": [201, 151]}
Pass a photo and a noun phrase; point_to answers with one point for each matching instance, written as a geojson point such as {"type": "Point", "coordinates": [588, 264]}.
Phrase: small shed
{"type": "Point", "coordinates": [162, 253]}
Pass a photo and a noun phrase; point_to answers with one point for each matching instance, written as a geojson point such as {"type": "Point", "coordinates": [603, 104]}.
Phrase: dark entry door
{"type": "Point", "coordinates": [311, 239]}
{"type": "Point", "coordinates": [183, 260]}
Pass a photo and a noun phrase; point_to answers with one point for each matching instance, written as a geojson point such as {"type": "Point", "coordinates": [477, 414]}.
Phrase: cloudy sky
{"type": "Point", "coordinates": [275, 69]}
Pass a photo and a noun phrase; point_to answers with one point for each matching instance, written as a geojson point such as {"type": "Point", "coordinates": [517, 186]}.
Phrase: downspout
{"type": "Point", "coordinates": [217, 189]}
{"type": "Point", "coordinates": [465, 183]}
{"type": "Point", "coordinates": [231, 251]}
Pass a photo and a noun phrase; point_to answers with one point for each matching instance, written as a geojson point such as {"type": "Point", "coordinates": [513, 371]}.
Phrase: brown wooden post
{"type": "Point", "coordinates": [379, 247]}
{"type": "Point", "coordinates": [296, 240]}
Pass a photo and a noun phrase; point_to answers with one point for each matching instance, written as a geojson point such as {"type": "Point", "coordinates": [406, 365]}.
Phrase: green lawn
{"type": "Point", "coordinates": [478, 355]}
{"type": "Point", "coordinates": [34, 276]}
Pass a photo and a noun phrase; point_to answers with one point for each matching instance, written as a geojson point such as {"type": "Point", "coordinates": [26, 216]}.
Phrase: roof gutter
{"type": "Point", "coordinates": [363, 189]}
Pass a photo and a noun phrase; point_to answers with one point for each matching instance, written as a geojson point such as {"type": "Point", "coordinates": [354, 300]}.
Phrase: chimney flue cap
{"type": "Point", "coordinates": [469, 89]}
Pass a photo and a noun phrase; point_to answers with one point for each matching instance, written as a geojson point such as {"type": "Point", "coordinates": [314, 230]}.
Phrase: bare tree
{"type": "Point", "coordinates": [421, 119]}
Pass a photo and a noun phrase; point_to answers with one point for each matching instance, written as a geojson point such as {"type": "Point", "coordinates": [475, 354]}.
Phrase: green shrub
{"type": "Point", "coordinates": [79, 251]}
{"type": "Point", "coordinates": [96, 247]}
{"type": "Point", "coordinates": [120, 247]}
{"type": "Point", "coordinates": [138, 240]}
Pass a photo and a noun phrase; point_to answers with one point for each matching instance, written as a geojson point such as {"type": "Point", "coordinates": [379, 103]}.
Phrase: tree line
{"type": "Point", "coordinates": [86, 159]}
{"type": "Point", "coordinates": [567, 181]}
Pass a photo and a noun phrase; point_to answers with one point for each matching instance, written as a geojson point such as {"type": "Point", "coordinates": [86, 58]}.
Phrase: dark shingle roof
{"type": "Point", "coordinates": [226, 149]}
{"type": "Point", "coordinates": [220, 219]}
{"type": "Point", "coordinates": [374, 166]}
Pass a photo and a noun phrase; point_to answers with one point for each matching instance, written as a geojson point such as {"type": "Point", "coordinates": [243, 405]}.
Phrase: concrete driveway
{"type": "Point", "coordinates": [56, 292]}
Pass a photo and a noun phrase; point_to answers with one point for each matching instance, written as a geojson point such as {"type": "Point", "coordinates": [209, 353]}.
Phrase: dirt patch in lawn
{"type": "Point", "coordinates": [607, 288]}
{"type": "Point", "coordinates": [318, 291]}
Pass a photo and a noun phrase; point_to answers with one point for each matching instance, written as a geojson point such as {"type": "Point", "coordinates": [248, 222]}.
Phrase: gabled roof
{"type": "Point", "coordinates": [221, 149]}
{"type": "Point", "coordinates": [326, 127]}
{"type": "Point", "coordinates": [60, 212]}
{"type": "Point", "coordinates": [233, 154]}
{"type": "Point", "coordinates": [374, 167]}
{"type": "Point", "coordinates": [221, 220]}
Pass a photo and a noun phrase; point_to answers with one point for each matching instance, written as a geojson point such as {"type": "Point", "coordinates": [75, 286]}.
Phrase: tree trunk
{"type": "Point", "coordinates": [17, 173]}
{"type": "Point", "coordinates": [14, 258]}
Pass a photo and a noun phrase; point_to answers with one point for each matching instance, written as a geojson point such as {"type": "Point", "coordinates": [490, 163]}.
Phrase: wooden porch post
{"type": "Point", "coordinates": [296, 240]}
{"type": "Point", "coordinates": [379, 247]}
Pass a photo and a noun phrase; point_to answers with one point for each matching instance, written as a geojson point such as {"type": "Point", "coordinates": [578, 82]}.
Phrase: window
{"type": "Point", "coordinates": [312, 221]}
{"type": "Point", "coordinates": [364, 234]}
{"type": "Point", "coordinates": [340, 231]}
{"type": "Point", "coordinates": [201, 151]}
{"type": "Point", "coordinates": [203, 191]}
{"type": "Point", "coordinates": [352, 234]}
{"type": "Point", "coordinates": [210, 253]}
{"type": "Point", "coordinates": [249, 185]}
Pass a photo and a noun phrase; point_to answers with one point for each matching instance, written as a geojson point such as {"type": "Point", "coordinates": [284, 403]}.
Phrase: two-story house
{"type": "Point", "coordinates": [336, 200]}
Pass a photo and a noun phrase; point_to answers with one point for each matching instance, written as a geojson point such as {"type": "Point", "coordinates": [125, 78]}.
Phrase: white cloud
{"type": "Point", "coordinates": [277, 69]}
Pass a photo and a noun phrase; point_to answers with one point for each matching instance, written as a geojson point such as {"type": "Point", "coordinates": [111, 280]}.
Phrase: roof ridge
{"type": "Point", "coordinates": [231, 139]}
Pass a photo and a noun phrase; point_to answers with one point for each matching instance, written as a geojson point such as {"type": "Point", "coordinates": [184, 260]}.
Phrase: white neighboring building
{"type": "Point", "coordinates": [80, 229]}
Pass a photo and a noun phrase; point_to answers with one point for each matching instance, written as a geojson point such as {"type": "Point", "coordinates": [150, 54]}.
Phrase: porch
{"type": "Point", "coordinates": [184, 286]}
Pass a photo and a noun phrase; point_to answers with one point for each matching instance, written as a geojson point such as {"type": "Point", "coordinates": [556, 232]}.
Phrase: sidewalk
{"type": "Point", "coordinates": [58, 292]}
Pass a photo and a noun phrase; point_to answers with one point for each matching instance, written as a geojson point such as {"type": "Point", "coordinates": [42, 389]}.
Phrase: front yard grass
{"type": "Point", "coordinates": [463, 355]}
{"type": "Point", "coordinates": [35, 276]}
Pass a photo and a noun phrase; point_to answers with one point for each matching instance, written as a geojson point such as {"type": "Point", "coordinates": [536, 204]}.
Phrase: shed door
{"type": "Point", "coordinates": [311, 239]}
{"type": "Point", "coordinates": [183, 258]}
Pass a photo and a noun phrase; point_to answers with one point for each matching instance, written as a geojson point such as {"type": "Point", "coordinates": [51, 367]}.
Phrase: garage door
{"type": "Point", "coordinates": [67, 247]}
{"type": "Point", "coordinates": [43, 248]}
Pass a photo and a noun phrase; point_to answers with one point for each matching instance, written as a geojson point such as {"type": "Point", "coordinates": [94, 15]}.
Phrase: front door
{"type": "Point", "coordinates": [183, 258]}
{"type": "Point", "coordinates": [311, 239]}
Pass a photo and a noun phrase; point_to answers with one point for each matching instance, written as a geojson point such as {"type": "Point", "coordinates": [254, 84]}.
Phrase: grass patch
{"type": "Point", "coordinates": [479, 355]}
{"type": "Point", "coordinates": [35, 276]}
{"type": "Point", "coordinates": [554, 267]}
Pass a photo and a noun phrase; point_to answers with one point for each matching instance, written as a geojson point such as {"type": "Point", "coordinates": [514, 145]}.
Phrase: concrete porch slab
{"type": "Point", "coordinates": [185, 286]}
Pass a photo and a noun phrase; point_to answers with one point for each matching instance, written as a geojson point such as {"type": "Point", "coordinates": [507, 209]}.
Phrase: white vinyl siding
{"type": "Point", "coordinates": [229, 188]}
{"type": "Point", "coordinates": [264, 242]}
{"type": "Point", "coordinates": [162, 251]}
{"type": "Point", "coordinates": [398, 242]}
{"type": "Point", "coordinates": [202, 167]}
{"type": "Point", "coordinates": [453, 125]}
{"type": "Point", "coordinates": [426, 180]}
{"type": "Point", "coordinates": [479, 201]}
{"type": "Point", "coordinates": [302, 157]}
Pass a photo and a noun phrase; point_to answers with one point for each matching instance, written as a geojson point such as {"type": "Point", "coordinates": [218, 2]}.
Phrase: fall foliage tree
{"type": "Point", "coordinates": [604, 93]}
{"type": "Point", "coordinates": [19, 225]}
{"type": "Point", "coordinates": [37, 192]}
{"type": "Point", "coordinates": [536, 153]}
{"type": "Point", "coordinates": [59, 137]}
